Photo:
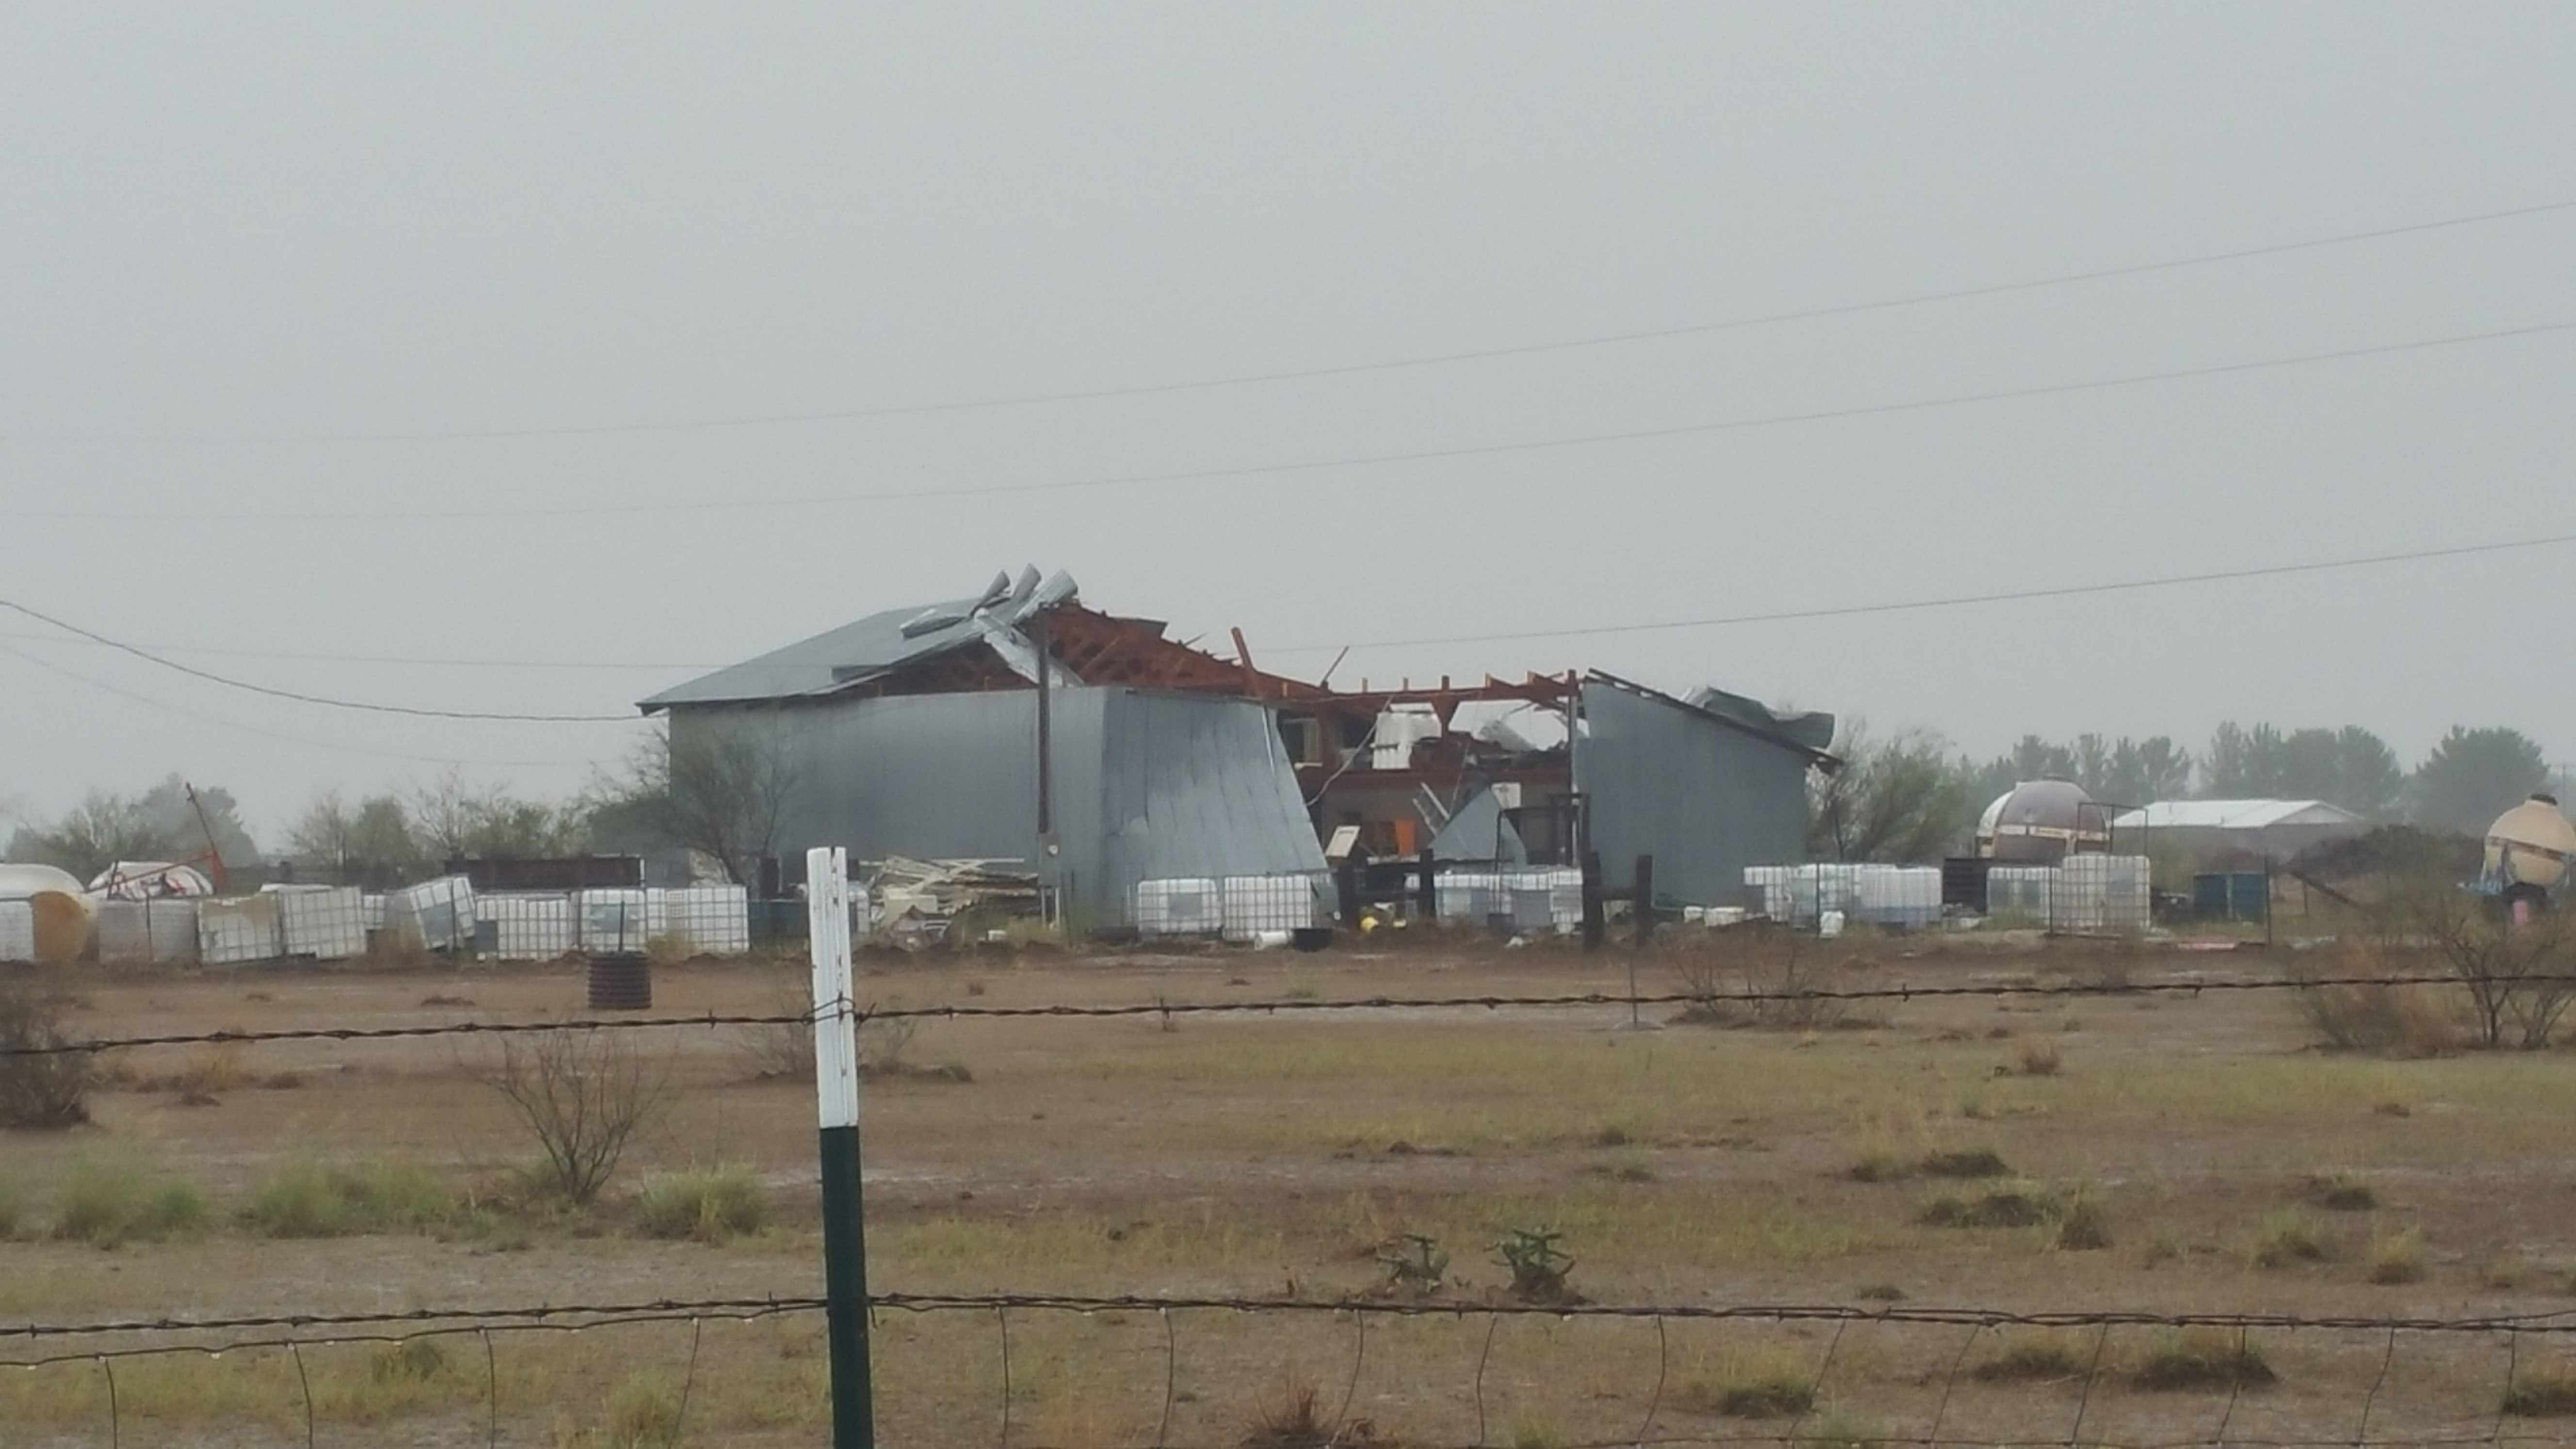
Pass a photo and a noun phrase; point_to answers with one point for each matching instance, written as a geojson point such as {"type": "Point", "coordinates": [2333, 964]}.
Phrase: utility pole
{"type": "Point", "coordinates": [1048, 881]}
{"type": "Point", "coordinates": [836, 1090]}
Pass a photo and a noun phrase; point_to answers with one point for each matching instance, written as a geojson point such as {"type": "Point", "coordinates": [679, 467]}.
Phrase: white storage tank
{"type": "Point", "coordinates": [57, 914]}
{"type": "Point", "coordinates": [2529, 846]}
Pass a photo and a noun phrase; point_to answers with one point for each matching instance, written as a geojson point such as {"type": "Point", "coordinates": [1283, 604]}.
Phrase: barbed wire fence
{"type": "Point", "coordinates": [2241, 1369]}
{"type": "Point", "coordinates": [2517, 1394]}
{"type": "Point", "coordinates": [1289, 1006]}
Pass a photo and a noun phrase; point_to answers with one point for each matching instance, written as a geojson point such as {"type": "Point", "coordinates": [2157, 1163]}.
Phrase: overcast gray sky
{"type": "Point", "coordinates": [235, 235]}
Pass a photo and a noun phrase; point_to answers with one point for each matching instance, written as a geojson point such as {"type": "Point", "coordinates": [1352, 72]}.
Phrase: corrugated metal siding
{"type": "Point", "coordinates": [1474, 832]}
{"type": "Point", "coordinates": [1195, 786]}
{"type": "Point", "coordinates": [1703, 799]}
{"type": "Point", "coordinates": [1146, 785]}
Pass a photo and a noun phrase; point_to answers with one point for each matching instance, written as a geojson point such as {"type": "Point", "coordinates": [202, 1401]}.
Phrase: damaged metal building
{"type": "Point", "coordinates": [917, 732]}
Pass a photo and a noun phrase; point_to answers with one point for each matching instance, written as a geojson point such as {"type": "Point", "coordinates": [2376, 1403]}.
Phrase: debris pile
{"type": "Point", "coordinates": [916, 902]}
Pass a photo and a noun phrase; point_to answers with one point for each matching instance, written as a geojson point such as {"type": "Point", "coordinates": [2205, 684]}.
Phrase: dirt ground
{"type": "Point", "coordinates": [1275, 1155]}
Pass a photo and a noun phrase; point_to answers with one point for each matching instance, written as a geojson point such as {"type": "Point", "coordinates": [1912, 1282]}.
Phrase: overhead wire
{"type": "Point", "coordinates": [1312, 465]}
{"type": "Point", "coordinates": [1953, 601]}
{"type": "Point", "coordinates": [1274, 375]}
{"type": "Point", "coordinates": [299, 696]}
{"type": "Point", "coordinates": [1777, 616]}
{"type": "Point", "coordinates": [226, 722]}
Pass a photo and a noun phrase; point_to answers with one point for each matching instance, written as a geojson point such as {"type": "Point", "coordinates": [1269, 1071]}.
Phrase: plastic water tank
{"type": "Point", "coordinates": [62, 910]}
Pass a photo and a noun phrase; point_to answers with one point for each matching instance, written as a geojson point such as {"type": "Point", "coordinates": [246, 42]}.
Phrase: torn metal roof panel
{"type": "Point", "coordinates": [870, 648]}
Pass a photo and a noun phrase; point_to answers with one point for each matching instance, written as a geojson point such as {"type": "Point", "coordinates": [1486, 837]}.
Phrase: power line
{"type": "Point", "coordinates": [233, 724]}
{"type": "Point", "coordinates": [1782, 616]}
{"type": "Point", "coordinates": [1607, 339]}
{"type": "Point", "coordinates": [403, 709]}
{"type": "Point", "coordinates": [1311, 465]}
{"type": "Point", "coordinates": [416, 660]}
{"type": "Point", "coordinates": [1581, 631]}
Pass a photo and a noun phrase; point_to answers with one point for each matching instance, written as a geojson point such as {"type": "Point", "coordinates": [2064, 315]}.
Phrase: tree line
{"type": "Point", "coordinates": [1911, 796]}
{"type": "Point", "coordinates": [720, 798]}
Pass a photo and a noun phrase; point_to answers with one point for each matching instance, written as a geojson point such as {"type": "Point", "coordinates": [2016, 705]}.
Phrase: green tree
{"type": "Point", "coordinates": [2372, 781]}
{"type": "Point", "coordinates": [2474, 775]}
{"type": "Point", "coordinates": [1894, 800]}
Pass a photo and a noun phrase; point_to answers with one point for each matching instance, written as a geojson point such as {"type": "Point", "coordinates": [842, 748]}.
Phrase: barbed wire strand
{"type": "Point", "coordinates": [1171, 1379]}
{"type": "Point", "coordinates": [999, 1304]}
{"type": "Point", "coordinates": [1266, 1007]}
{"type": "Point", "coordinates": [424, 1321]}
{"type": "Point", "coordinates": [1350, 1391]}
{"type": "Point", "coordinates": [2361, 1431]}
{"type": "Point", "coordinates": [2084, 1397]}
{"type": "Point", "coordinates": [304, 1383]}
{"type": "Point", "coordinates": [1941, 1410]}
{"type": "Point", "coordinates": [1663, 1366]}
{"type": "Point", "coordinates": [1492, 1325]}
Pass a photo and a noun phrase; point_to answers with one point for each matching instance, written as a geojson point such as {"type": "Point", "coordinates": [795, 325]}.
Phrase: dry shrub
{"type": "Point", "coordinates": [1766, 978]}
{"type": "Point", "coordinates": [2514, 978]}
{"type": "Point", "coordinates": [2409, 1021]}
{"type": "Point", "coordinates": [1295, 1420]}
{"type": "Point", "coordinates": [643, 1413]}
{"type": "Point", "coordinates": [2288, 1237]}
{"type": "Point", "coordinates": [2039, 1058]}
{"type": "Point", "coordinates": [2397, 1257]}
{"type": "Point", "coordinates": [2339, 1192]}
{"type": "Point", "coordinates": [51, 1089]}
{"type": "Point", "coordinates": [2085, 1225]}
{"type": "Point", "coordinates": [583, 1095]}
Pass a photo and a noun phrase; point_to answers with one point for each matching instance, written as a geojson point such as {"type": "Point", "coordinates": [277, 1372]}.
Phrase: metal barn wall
{"type": "Point", "coordinates": [1194, 786]}
{"type": "Point", "coordinates": [1146, 785]}
{"type": "Point", "coordinates": [1703, 799]}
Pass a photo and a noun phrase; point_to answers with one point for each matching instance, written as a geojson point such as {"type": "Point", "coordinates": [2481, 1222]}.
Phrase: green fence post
{"type": "Point", "coordinates": [836, 1089]}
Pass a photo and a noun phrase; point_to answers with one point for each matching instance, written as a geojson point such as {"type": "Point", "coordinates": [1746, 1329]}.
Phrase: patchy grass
{"type": "Point", "coordinates": [2204, 1358]}
{"type": "Point", "coordinates": [710, 1205]}
{"type": "Point", "coordinates": [2339, 1192]}
{"type": "Point", "coordinates": [1840, 1428]}
{"type": "Point", "coordinates": [1878, 1166]}
{"type": "Point", "coordinates": [2084, 1224]}
{"type": "Point", "coordinates": [2541, 1393]}
{"type": "Point", "coordinates": [2032, 1359]}
{"type": "Point", "coordinates": [1758, 1385]}
{"type": "Point", "coordinates": [335, 1200]}
{"type": "Point", "coordinates": [1973, 1162]}
{"type": "Point", "coordinates": [2287, 1237]}
{"type": "Point", "coordinates": [2011, 1207]}
{"type": "Point", "coordinates": [110, 1204]}
{"type": "Point", "coordinates": [2397, 1257]}
{"type": "Point", "coordinates": [414, 1360]}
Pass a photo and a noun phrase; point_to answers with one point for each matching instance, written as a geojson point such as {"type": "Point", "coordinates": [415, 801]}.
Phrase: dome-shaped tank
{"type": "Point", "coordinates": [1986, 825]}
{"type": "Point", "coordinates": [2043, 820]}
{"type": "Point", "coordinates": [62, 910]}
{"type": "Point", "coordinates": [2530, 844]}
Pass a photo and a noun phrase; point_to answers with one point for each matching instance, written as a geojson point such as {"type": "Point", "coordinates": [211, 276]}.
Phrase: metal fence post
{"type": "Point", "coordinates": [1645, 899]}
{"type": "Point", "coordinates": [1429, 900]}
{"type": "Point", "coordinates": [1594, 926]}
{"type": "Point", "coordinates": [836, 1089]}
